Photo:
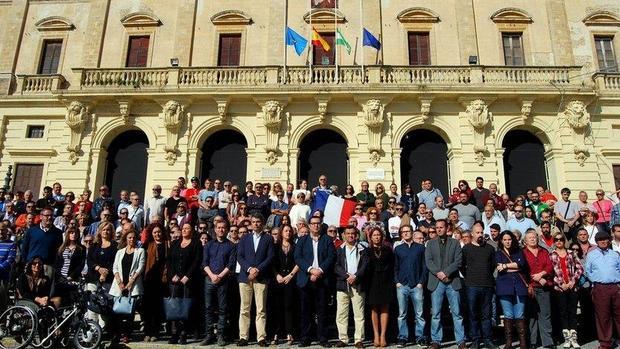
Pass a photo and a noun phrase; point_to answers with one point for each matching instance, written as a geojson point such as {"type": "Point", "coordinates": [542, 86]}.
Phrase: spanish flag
{"type": "Point", "coordinates": [317, 40]}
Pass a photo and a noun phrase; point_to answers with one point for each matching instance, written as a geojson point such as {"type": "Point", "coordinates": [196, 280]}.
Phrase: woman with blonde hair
{"type": "Point", "coordinates": [100, 261]}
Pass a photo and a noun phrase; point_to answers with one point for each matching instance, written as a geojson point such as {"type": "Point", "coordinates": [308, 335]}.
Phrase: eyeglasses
{"type": "Point", "coordinates": [331, 230]}
{"type": "Point", "coordinates": [124, 212]}
{"type": "Point", "coordinates": [373, 212]}
{"type": "Point", "coordinates": [315, 223]}
{"type": "Point", "coordinates": [227, 185]}
{"type": "Point", "coordinates": [88, 241]}
{"type": "Point", "coordinates": [399, 209]}
{"type": "Point", "coordinates": [600, 194]}
{"type": "Point", "coordinates": [518, 210]}
{"type": "Point", "coordinates": [558, 239]}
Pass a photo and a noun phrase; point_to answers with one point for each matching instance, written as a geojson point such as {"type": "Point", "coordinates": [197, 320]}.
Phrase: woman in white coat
{"type": "Point", "coordinates": [128, 268]}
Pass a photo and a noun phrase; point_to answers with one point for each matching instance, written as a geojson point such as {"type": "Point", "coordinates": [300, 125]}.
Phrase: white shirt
{"type": "Point", "coordinates": [592, 230]}
{"type": "Point", "coordinates": [223, 198]}
{"type": "Point", "coordinates": [298, 211]}
{"type": "Point", "coordinates": [440, 213]}
{"type": "Point", "coordinates": [154, 206]}
{"type": "Point", "coordinates": [136, 214]}
{"type": "Point", "coordinates": [494, 220]}
{"type": "Point", "coordinates": [315, 254]}
{"type": "Point", "coordinates": [256, 239]}
{"type": "Point", "coordinates": [352, 254]}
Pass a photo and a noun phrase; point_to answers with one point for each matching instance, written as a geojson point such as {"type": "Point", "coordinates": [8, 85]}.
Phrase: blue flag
{"type": "Point", "coordinates": [294, 39]}
{"type": "Point", "coordinates": [371, 40]}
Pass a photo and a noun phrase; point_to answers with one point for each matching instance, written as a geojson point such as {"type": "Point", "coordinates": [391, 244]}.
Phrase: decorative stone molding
{"type": "Point", "coordinates": [54, 23]}
{"type": "Point", "coordinates": [272, 120]}
{"type": "Point", "coordinates": [578, 119]}
{"type": "Point", "coordinates": [124, 109]}
{"type": "Point", "coordinates": [173, 114]}
{"type": "Point", "coordinates": [417, 15]}
{"type": "Point", "coordinates": [231, 17]}
{"type": "Point", "coordinates": [602, 18]}
{"type": "Point", "coordinates": [425, 107]}
{"type": "Point", "coordinates": [322, 107]}
{"type": "Point", "coordinates": [76, 118]}
{"type": "Point", "coordinates": [374, 119]}
{"type": "Point", "coordinates": [479, 117]}
{"type": "Point", "coordinates": [222, 108]}
{"type": "Point", "coordinates": [140, 19]}
{"type": "Point", "coordinates": [526, 109]}
{"type": "Point", "coordinates": [324, 16]}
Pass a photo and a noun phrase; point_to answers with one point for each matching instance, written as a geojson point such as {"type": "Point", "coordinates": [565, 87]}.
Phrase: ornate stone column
{"type": "Point", "coordinates": [578, 119]}
{"type": "Point", "coordinates": [373, 119]}
{"type": "Point", "coordinates": [272, 120]}
{"type": "Point", "coordinates": [76, 118]}
{"type": "Point", "coordinates": [173, 114]}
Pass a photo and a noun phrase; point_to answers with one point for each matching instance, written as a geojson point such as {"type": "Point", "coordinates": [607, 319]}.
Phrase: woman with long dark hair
{"type": "Point", "coordinates": [285, 290]}
{"type": "Point", "coordinates": [155, 279]}
{"type": "Point", "coordinates": [70, 261]}
{"type": "Point", "coordinates": [511, 286]}
{"type": "Point", "coordinates": [34, 285]}
{"type": "Point", "coordinates": [380, 285]}
{"type": "Point", "coordinates": [183, 262]}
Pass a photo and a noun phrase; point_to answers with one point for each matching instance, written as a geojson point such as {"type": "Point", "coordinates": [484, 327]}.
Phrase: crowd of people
{"type": "Point", "coordinates": [547, 269]}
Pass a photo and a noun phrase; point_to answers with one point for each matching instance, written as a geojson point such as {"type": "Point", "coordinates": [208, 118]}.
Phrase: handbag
{"type": "Point", "coordinates": [177, 308]}
{"type": "Point", "coordinates": [124, 305]}
{"type": "Point", "coordinates": [530, 288]}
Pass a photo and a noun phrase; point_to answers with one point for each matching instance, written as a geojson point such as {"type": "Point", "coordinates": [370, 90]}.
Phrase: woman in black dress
{"type": "Point", "coordinates": [100, 261]}
{"type": "Point", "coordinates": [380, 284]}
{"type": "Point", "coordinates": [155, 280]}
{"type": "Point", "coordinates": [183, 262]}
{"type": "Point", "coordinates": [284, 290]}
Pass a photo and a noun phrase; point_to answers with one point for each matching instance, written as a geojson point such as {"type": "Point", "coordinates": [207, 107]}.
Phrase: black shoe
{"type": "Point", "coordinates": [242, 343]}
{"type": "Point", "coordinates": [490, 345]}
{"type": "Point", "coordinates": [303, 344]}
{"type": "Point", "coordinates": [173, 340]}
{"type": "Point", "coordinates": [208, 340]}
{"type": "Point", "coordinates": [401, 343]}
{"type": "Point", "coordinates": [221, 341]}
{"type": "Point", "coordinates": [262, 343]}
{"type": "Point", "coordinates": [325, 345]}
{"type": "Point", "coordinates": [183, 339]}
{"type": "Point", "coordinates": [340, 344]}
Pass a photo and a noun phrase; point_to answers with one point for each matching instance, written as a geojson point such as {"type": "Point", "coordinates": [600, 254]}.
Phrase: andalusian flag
{"type": "Point", "coordinates": [317, 40]}
{"type": "Point", "coordinates": [340, 40]}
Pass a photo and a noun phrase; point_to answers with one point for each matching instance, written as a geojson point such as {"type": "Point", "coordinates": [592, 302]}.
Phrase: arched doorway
{"type": "Point", "coordinates": [524, 162]}
{"type": "Point", "coordinates": [127, 163]}
{"type": "Point", "coordinates": [224, 156]}
{"type": "Point", "coordinates": [324, 152]}
{"type": "Point", "coordinates": [424, 155]}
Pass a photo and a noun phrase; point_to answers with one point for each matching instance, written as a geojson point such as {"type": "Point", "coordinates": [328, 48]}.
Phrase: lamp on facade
{"type": "Point", "coordinates": [174, 62]}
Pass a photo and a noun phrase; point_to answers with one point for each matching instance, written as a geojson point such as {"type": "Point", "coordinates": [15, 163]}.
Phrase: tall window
{"type": "Point", "coordinates": [322, 57]}
{"type": "Point", "coordinates": [513, 48]}
{"type": "Point", "coordinates": [138, 51]}
{"type": "Point", "coordinates": [50, 57]}
{"type": "Point", "coordinates": [230, 50]}
{"type": "Point", "coordinates": [323, 3]}
{"type": "Point", "coordinates": [419, 50]}
{"type": "Point", "coordinates": [605, 53]}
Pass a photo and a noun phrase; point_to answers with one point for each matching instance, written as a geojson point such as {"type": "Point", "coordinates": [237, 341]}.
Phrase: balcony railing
{"type": "Point", "coordinates": [34, 84]}
{"type": "Point", "coordinates": [607, 82]}
{"type": "Point", "coordinates": [109, 80]}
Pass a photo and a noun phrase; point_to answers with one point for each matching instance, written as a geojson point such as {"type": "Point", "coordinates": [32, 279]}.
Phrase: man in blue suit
{"type": "Point", "coordinates": [254, 254]}
{"type": "Point", "coordinates": [315, 255]}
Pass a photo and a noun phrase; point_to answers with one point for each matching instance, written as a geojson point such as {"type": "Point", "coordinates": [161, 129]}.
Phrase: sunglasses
{"type": "Point", "coordinates": [518, 210]}
{"type": "Point", "coordinates": [558, 239]}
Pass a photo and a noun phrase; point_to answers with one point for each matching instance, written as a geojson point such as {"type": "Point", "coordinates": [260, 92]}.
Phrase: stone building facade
{"type": "Point", "coordinates": [492, 83]}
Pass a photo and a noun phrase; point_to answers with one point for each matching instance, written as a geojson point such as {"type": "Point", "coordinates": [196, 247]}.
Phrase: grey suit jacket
{"type": "Point", "coordinates": [433, 263]}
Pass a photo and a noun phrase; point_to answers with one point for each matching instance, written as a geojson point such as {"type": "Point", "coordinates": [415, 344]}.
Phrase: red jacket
{"type": "Point", "coordinates": [539, 263]}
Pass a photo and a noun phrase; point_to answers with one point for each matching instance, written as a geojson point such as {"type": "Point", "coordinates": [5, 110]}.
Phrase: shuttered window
{"type": "Point", "coordinates": [138, 51]}
{"type": "Point", "coordinates": [28, 177]}
{"type": "Point", "coordinates": [419, 49]}
{"type": "Point", "coordinates": [322, 57]}
{"type": "Point", "coordinates": [513, 48]}
{"type": "Point", "coordinates": [230, 50]}
{"type": "Point", "coordinates": [50, 57]}
{"type": "Point", "coordinates": [605, 53]}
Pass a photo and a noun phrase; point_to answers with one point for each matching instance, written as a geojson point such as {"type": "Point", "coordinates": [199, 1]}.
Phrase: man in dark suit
{"type": "Point", "coordinates": [443, 260]}
{"type": "Point", "coordinates": [315, 255]}
{"type": "Point", "coordinates": [351, 264]}
{"type": "Point", "coordinates": [254, 254]}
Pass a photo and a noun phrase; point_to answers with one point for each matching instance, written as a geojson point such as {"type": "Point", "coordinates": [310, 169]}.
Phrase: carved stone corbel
{"type": "Point", "coordinates": [322, 107]}
{"type": "Point", "coordinates": [479, 117]}
{"type": "Point", "coordinates": [526, 109]}
{"type": "Point", "coordinates": [124, 109]}
{"type": "Point", "coordinates": [272, 120]}
{"type": "Point", "coordinates": [76, 118]}
{"type": "Point", "coordinates": [425, 107]}
{"type": "Point", "coordinates": [173, 114]}
{"type": "Point", "coordinates": [374, 119]}
{"type": "Point", "coordinates": [222, 108]}
{"type": "Point", "coordinates": [578, 119]}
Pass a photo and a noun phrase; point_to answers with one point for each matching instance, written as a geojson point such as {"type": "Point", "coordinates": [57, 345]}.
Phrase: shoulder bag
{"type": "Point", "coordinates": [177, 308]}
{"type": "Point", "coordinates": [530, 288]}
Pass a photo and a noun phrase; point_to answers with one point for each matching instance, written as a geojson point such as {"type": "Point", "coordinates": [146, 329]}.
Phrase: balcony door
{"type": "Point", "coordinates": [605, 53]}
{"type": "Point", "coordinates": [419, 48]}
{"type": "Point", "coordinates": [230, 50]}
{"type": "Point", "coordinates": [513, 49]}
{"type": "Point", "coordinates": [322, 57]}
{"type": "Point", "coordinates": [138, 51]}
{"type": "Point", "coordinates": [50, 57]}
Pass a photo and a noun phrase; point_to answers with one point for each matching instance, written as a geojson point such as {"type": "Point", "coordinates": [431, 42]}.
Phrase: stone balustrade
{"type": "Point", "coordinates": [34, 84]}
{"type": "Point", "coordinates": [607, 82]}
{"type": "Point", "coordinates": [266, 77]}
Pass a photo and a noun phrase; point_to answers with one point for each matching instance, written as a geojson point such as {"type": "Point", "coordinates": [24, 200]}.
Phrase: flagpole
{"type": "Point", "coordinates": [285, 76]}
{"type": "Point", "coordinates": [311, 51]}
{"type": "Point", "coordinates": [362, 39]}
{"type": "Point", "coordinates": [335, 40]}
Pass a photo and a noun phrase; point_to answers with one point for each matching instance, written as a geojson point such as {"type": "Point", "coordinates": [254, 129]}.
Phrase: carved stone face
{"type": "Point", "coordinates": [575, 107]}
{"type": "Point", "coordinates": [577, 115]}
{"type": "Point", "coordinates": [171, 107]}
{"type": "Point", "coordinates": [476, 107]}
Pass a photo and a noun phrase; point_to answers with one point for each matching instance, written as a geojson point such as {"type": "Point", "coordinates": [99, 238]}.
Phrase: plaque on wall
{"type": "Point", "coordinates": [270, 172]}
{"type": "Point", "coordinates": [375, 174]}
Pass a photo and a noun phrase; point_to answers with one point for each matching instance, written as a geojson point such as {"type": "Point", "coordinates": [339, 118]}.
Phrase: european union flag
{"type": "Point", "coordinates": [371, 40]}
{"type": "Point", "coordinates": [296, 40]}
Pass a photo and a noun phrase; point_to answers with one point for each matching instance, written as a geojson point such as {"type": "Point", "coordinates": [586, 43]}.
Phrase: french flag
{"type": "Point", "coordinates": [337, 210]}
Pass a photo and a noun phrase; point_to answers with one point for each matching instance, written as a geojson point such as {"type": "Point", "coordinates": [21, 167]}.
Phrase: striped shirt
{"type": "Point", "coordinates": [8, 249]}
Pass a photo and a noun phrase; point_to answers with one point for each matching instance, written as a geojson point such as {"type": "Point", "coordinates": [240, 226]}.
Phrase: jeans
{"type": "Point", "coordinates": [479, 303]}
{"type": "Point", "coordinates": [513, 306]}
{"type": "Point", "coordinates": [215, 299]}
{"type": "Point", "coordinates": [416, 295]}
{"type": "Point", "coordinates": [455, 308]}
{"type": "Point", "coordinates": [539, 313]}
